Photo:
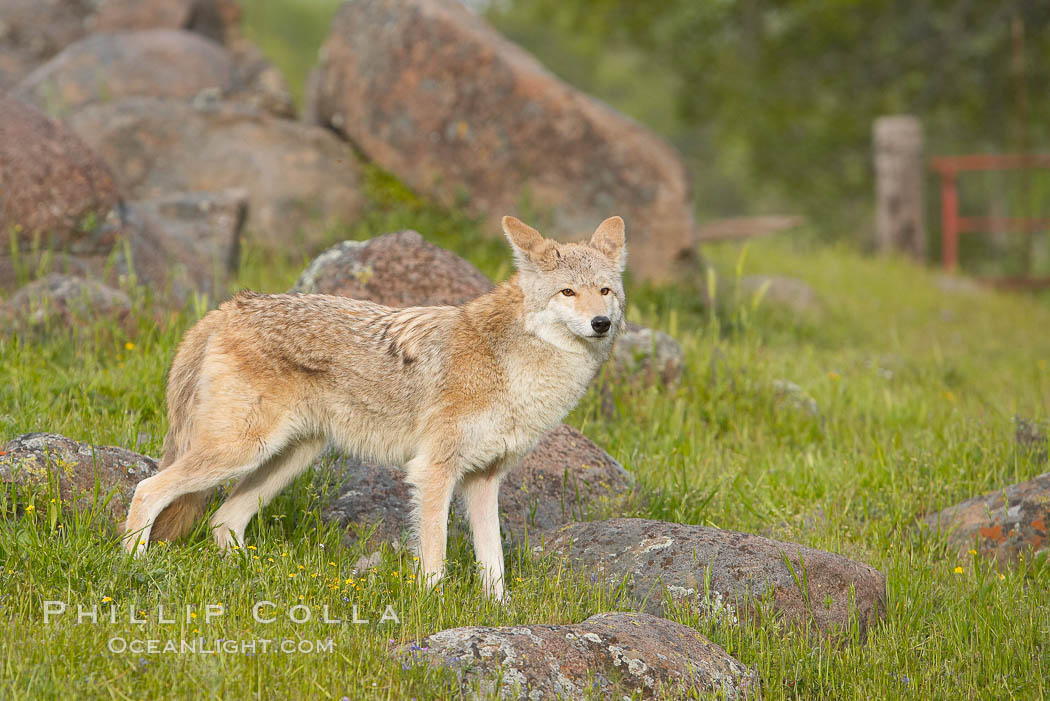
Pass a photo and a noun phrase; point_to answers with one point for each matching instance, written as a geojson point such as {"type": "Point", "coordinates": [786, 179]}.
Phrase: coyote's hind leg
{"type": "Point", "coordinates": [195, 471]}
{"type": "Point", "coordinates": [257, 489]}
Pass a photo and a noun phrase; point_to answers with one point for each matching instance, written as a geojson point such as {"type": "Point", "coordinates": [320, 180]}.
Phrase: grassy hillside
{"type": "Point", "coordinates": [907, 389]}
{"type": "Point", "coordinates": [913, 394]}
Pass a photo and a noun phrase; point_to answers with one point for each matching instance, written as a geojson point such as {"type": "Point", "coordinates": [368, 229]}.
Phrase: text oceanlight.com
{"type": "Point", "coordinates": [203, 646]}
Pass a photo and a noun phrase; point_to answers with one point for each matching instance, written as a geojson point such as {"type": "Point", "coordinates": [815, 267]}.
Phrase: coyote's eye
{"type": "Point", "coordinates": [605, 291]}
{"type": "Point", "coordinates": [567, 292]}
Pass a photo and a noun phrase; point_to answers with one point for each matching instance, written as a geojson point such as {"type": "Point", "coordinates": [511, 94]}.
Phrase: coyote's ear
{"type": "Point", "coordinates": [608, 238]}
{"type": "Point", "coordinates": [528, 245]}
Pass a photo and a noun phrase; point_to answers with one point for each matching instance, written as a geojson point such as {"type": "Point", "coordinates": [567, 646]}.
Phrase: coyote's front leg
{"type": "Point", "coordinates": [434, 483]}
{"type": "Point", "coordinates": [481, 500]}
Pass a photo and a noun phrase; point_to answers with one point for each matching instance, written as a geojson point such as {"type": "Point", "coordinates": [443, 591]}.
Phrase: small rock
{"type": "Point", "coordinates": [398, 270]}
{"type": "Point", "coordinates": [34, 457]}
{"type": "Point", "coordinates": [367, 562]}
{"type": "Point", "coordinates": [66, 301]}
{"type": "Point", "coordinates": [741, 569]}
{"type": "Point", "coordinates": [1032, 436]}
{"type": "Point", "coordinates": [565, 478]}
{"type": "Point", "coordinates": [788, 292]}
{"type": "Point", "coordinates": [609, 655]}
{"type": "Point", "coordinates": [795, 396]}
{"type": "Point", "coordinates": [1003, 524]}
{"type": "Point", "coordinates": [52, 186]}
{"type": "Point", "coordinates": [957, 284]}
{"type": "Point", "coordinates": [646, 355]}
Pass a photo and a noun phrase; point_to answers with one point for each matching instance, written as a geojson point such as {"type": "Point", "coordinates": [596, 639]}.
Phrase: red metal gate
{"type": "Point", "coordinates": [948, 167]}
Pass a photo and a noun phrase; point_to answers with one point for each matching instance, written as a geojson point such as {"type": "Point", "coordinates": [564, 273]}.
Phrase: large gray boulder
{"type": "Point", "coordinates": [109, 66]}
{"type": "Point", "coordinates": [724, 574]}
{"type": "Point", "coordinates": [431, 93]}
{"type": "Point", "coordinates": [32, 31]}
{"type": "Point", "coordinates": [301, 180]}
{"type": "Point", "coordinates": [609, 655]}
{"type": "Point", "coordinates": [169, 63]}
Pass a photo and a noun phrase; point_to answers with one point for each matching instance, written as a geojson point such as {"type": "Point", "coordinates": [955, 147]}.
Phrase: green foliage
{"type": "Point", "coordinates": [774, 99]}
{"type": "Point", "coordinates": [913, 392]}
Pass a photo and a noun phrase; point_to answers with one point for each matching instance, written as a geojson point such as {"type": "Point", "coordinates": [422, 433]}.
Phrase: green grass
{"type": "Point", "coordinates": [915, 390]}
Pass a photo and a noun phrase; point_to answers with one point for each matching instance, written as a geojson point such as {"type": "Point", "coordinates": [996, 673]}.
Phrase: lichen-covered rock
{"type": "Point", "coordinates": [644, 355]}
{"type": "Point", "coordinates": [434, 95]}
{"type": "Point", "coordinates": [565, 478]}
{"type": "Point", "coordinates": [399, 270]}
{"type": "Point", "coordinates": [109, 66]}
{"type": "Point", "coordinates": [609, 655]}
{"type": "Point", "coordinates": [65, 301]}
{"type": "Point", "coordinates": [1001, 525]}
{"type": "Point", "coordinates": [34, 458]}
{"type": "Point", "coordinates": [53, 189]}
{"type": "Point", "coordinates": [301, 179]}
{"type": "Point", "coordinates": [682, 561]}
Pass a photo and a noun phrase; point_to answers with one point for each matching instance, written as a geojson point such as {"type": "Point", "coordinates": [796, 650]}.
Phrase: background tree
{"type": "Point", "coordinates": [772, 101]}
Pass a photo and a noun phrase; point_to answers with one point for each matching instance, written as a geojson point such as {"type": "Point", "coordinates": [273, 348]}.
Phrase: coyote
{"type": "Point", "coordinates": [457, 395]}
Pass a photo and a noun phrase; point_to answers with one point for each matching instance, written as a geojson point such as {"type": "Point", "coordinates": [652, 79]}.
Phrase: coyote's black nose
{"type": "Point", "coordinates": [600, 324]}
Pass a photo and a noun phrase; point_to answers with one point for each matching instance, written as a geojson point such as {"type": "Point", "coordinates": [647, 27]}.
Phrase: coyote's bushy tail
{"type": "Point", "coordinates": [183, 384]}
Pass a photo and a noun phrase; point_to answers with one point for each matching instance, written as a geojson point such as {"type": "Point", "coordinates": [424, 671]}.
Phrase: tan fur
{"type": "Point", "coordinates": [457, 395]}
